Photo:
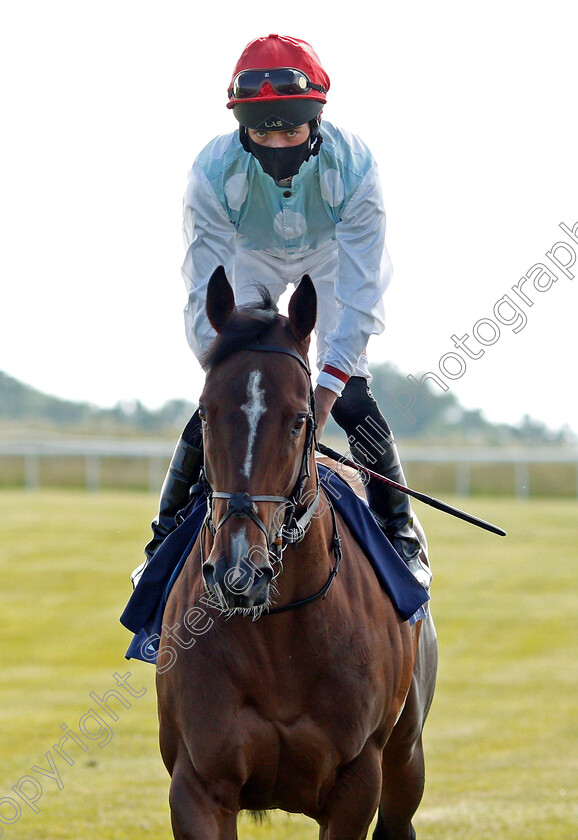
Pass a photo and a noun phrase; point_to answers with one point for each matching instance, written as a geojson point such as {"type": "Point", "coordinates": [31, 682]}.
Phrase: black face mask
{"type": "Point", "coordinates": [281, 163]}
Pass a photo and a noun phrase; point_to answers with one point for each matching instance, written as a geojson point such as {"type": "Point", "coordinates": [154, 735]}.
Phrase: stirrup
{"type": "Point", "coordinates": [137, 574]}
{"type": "Point", "coordinates": [422, 573]}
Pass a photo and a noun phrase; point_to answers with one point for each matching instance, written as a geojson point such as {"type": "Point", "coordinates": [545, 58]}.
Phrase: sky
{"type": "Point", "coordinates": [471, 111]}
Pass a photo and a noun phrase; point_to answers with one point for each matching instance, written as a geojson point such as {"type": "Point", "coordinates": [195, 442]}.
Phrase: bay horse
{"type": "Point", "coordinates": [317, 710]}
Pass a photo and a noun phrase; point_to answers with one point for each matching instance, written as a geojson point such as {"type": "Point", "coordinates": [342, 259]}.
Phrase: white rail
{"type": "Point", "coordinates": [157, 455]}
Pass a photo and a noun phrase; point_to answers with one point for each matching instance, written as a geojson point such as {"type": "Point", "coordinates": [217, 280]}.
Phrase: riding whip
{"type": "Point", "coordinates": [422, 497]}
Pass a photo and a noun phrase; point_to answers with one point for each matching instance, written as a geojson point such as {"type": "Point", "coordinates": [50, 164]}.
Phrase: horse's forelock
{"type": "Point", "coordinates": [246, 324]}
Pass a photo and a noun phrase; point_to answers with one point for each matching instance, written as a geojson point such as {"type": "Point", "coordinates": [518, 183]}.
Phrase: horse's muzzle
{"type": "Point", "coordinates": [241, 583]}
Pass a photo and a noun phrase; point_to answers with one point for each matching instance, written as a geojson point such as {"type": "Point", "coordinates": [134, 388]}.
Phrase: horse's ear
{"type": "Point", "coordinates": [303, 309]}
{"type": "Point", "coordinates": [220, 303]}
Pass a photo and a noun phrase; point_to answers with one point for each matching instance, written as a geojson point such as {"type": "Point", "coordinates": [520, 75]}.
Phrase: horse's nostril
{"type": "Point", "coordinates": [266, 576]}
{"type": "Point", "coordinates": [209, 575]}
{"type": "Point", "coordinates": [259, 591]}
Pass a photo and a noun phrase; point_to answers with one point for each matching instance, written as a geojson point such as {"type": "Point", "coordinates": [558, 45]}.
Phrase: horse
{"type": "Point", "coordinates": [299, 687]}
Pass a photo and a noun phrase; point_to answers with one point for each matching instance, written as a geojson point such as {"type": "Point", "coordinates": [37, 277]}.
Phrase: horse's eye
{"type": "Point", "coordinates": [202, 416]}
{"type": "Point", "coordinates": [298, 425]}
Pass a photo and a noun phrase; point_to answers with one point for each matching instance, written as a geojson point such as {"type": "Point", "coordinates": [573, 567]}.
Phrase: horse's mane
{"type": "Point", "coordinates": [246, 324]}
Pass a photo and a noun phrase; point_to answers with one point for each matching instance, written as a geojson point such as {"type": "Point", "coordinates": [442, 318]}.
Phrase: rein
{"type": "Point", "coordinates": [327, 585]}
{"type": "Point", "coordinates": [292, 529]}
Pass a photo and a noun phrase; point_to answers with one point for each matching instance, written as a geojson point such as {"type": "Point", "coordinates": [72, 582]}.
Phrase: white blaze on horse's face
{"type": "Point", "coordinates": [254, 408]}
{"type": "Point", "coordinates": [240, 549]}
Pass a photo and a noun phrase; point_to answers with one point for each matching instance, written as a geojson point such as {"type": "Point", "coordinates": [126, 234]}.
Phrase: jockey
{"type": "Point", "coordinates": [282, 196]}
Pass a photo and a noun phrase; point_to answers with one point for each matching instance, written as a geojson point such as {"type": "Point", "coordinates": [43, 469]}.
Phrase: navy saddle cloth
{"type": "Point", "coordinates": [143, 614]}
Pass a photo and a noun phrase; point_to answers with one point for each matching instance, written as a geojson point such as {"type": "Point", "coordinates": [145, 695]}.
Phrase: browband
{"type": "Point", "coordinates": [272, 348]}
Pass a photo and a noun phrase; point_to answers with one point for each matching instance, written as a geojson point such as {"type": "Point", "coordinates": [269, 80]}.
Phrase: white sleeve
{"type": "Point", "coordinates": [363, 274]}
{"type": "Point", "coordinates": [209, 242]}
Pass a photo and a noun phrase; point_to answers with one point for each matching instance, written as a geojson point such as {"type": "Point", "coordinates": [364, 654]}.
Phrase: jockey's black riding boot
{"type": "Point", "coordinates": [392, 507]}
{"type": "Point", "coordinates": [372, 444]}
{"type": "Point", "coordinates": [182, 475]}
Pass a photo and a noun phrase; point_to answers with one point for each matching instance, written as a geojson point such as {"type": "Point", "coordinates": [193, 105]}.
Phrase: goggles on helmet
{"type": "Point", "coordinates": [285, 81]}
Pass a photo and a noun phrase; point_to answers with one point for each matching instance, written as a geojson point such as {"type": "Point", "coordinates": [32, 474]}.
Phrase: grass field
{"type": "Point", "coordinates": [501, 745]}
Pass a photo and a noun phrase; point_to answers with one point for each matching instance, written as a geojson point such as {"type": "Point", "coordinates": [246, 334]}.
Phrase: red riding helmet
{"type": "Point", "coordinates": [278, 83]}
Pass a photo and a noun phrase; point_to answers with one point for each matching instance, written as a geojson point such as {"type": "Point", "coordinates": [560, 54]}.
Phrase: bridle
{"type": "Point", "coordinates": [244, 506]}
{"type": "Point", "coordinates": [292, 529]}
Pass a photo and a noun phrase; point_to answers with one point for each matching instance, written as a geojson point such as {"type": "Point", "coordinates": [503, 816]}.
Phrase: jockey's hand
{"type": "Point", "coordinates": [324, 399]}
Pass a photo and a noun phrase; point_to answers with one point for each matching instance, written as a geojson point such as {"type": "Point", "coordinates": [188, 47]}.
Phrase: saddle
{"type": "Point", "coordinates": [143, 613]}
